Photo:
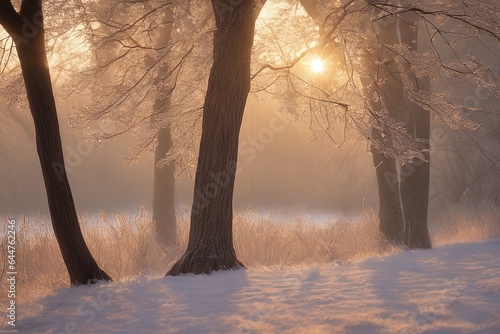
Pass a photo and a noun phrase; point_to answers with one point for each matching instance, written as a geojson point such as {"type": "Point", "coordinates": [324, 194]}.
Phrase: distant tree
{"type": "Point", "coordinates": [382, 79]}
{"type": "Point", "coordinates": [164, 174]}
{"type": "Point", "coordinates": [26, 28]}
{"type": "Point", "coordinates": [137, 82]}
{"type": "Point", "coordinates": [210, 247]}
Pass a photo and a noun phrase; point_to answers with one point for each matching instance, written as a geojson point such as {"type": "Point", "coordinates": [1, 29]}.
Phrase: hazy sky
{"type": "Point", "coordinates": [280, 169]}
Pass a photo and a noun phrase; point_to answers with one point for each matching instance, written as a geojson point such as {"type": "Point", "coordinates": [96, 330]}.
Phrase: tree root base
{"type": "Point", "coordinates": [199, 262]}
{"type": "Point", "coordinates": [91, 278]}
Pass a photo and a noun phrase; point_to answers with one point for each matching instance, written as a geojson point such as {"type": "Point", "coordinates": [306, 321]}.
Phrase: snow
{"type": "Point", "coordinates": [450, 289]}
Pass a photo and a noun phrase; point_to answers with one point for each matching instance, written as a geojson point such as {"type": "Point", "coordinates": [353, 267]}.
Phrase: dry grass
{"type": "Point", "coordinates": [261, 242]}
{"type": "Point", "coordinates": [125, 246]}
{"type": "Point", "coordinates": [466, 222]}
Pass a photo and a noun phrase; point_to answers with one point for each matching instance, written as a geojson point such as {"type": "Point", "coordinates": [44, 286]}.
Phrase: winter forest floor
{"type": "Point", "coordinates": [301, 279]}
{"type": "Point", "coordinates": [452, 289]}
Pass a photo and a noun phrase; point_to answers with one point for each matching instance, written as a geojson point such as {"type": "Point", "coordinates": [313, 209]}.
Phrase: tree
{"type": "Point", "coordinates": [113, 37]}
{"type": "Point", "coordinates": [382, 87]}
{"type": "Point", "coordinates": [391, 94]}
{"type": "Point", "coordinates": [411, 181]}
{"type": "Point", "coordinates": [26, 27]}
{"type": "Point", "coordinates": [414, 188]}
{"type": "Point", "coordinates": [403, 191]}
{"type": "Point", "coordinates": [210, 247]}
{"type": "Point", "coordinates": [164, 175]}
{"type": "Point", "coordinates": [136, 81]}
{"type": "Point", "coordinates": [382, 79]}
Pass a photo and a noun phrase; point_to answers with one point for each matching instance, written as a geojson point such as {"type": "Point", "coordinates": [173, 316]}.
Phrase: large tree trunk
{"type": "Point", "coordinates": [415, 186]}
{"type": "Point", "coordinates": [164, 177]}
{"type": "Point", "coordinates": [210, 246]}
{"type": "Point", "coordinates": [28, 32]}
{"type": "Point", "coordinates": [390, 94]}
{"type": "Point", "coordinates": [391, 222]}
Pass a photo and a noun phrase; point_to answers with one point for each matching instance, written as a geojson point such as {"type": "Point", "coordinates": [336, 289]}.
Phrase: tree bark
{"type": "Point", "coordinates": [390, 94]}
{"type": "Point", "coordinates": [210, 247]}
{"type": "Point", "coordinates": [391, 223]}
{"type": "Point", "coordinates": [415, 186]}
{"type": "Point", "coordinates": [27, 29]}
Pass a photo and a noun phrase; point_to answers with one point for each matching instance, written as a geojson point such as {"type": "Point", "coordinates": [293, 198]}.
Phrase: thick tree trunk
{"type": "Point", "coordinates": [164, 189]}
{"type": "Point", "coordinates": [27, 31]}
{"type": "Point", "coordinates": [415, 186]}
{"type": "Point", "coordinates": [210, 246]}
{"type": "Point", "coordinates": [164, 177]}
{"type": "Point", "coordinates": [391, 223]}
{"type": "Point", "coordinates": [409, 188]}
{"type": "Point", "coordinates": [390, 94]}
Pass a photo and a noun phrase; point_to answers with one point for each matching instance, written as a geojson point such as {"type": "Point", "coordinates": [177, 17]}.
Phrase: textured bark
{"type": "Point", "coordinates": [27, 30]}
{"type": "Point", "coordinates": [415, 187]}
{"type": "Point", "coordinates": [391, 223]}
{"type": "Point", "coordinates": [210, 247]}
{"type": "Point", "coordinates": [164, 177]}
{"type": "Point", "coordinates": [391, 94]}
{"type": "Point", "coordinates": [409, 190]}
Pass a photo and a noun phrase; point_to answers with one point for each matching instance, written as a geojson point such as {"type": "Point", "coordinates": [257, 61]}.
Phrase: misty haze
{"type": "Point", "coordinates": [282, 171]}
{"type": "Point", "coordinates": [250, 166]}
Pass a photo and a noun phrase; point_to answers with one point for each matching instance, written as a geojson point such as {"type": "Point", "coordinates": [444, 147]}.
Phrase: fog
{"type": "Point", "coordinates": [280, 169]}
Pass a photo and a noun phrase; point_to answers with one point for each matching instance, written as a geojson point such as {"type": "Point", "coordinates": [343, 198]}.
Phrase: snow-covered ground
{"type": "Point", "coordinates": [450, 289]}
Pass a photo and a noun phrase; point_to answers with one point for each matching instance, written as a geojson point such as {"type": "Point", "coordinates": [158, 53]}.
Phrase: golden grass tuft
{"type": "Point", "coordinates": [466, 222]}
{"type": "Point", "coordinates": [125, 246]}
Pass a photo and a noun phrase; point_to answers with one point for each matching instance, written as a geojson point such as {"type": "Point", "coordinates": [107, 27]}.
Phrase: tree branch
{"type": "Point", "coordinates": [10, 19]}
{"type": "Point", "coordinates": [310, 8]}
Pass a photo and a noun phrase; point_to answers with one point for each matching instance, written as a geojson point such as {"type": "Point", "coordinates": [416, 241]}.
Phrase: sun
{"type": "Point", "coordinates": [317, 65]}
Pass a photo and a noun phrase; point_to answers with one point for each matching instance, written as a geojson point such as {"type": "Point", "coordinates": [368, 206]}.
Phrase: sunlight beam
{"type": "Point", "coordinates": [317, 65]}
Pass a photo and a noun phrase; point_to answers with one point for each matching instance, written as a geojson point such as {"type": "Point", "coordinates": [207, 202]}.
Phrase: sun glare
{"type": "Point", "coordinates": [317, 65]}
{"type": "Point", "coordinates": [71, 51]}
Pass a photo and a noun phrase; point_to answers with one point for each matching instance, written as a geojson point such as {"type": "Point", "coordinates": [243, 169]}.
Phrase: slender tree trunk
{"type": "Point", "coordinates": [210, 246]}
{"type": "Point", "coordinates": [415, 186]}
{"type": "Point", "coordinates": [28, 32]}
{"type": "Point", "coordinates": [164, 189]}
{"type": "Point", "coordinates": [164, 177]}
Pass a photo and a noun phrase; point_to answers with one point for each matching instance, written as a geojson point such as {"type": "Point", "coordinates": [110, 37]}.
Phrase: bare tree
{"type": "Point", "coordinates": [403, 199]}
{"type": "Point", "coordinates": [210, 246]}
{"type": "Point", "coordinates": [137, 80]}
{"type": "Point", "coordinates": [382, 86]}
{"type": "Point", "coordinates": [414, 188]}
{"type": "Point", "coordinates": [164, 174]}
{"type": "Point", "coordinates": [391, 97]}
{"type": "Point", "coordinates": [26, 27]}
